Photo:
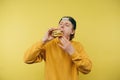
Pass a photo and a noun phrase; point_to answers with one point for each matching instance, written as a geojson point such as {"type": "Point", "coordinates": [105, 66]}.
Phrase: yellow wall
{"type": "Point", "coordinates": [23, 22]}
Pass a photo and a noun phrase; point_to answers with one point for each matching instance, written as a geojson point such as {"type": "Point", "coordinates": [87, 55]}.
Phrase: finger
{"type": "Point", "coordinates": [51, 29]}
{"type": "Point", "coordinates": [62, 41]}
{"type": "Point", "coordinates": [61, 46]}
{"type": "Point", "coordinates": [65, 39]}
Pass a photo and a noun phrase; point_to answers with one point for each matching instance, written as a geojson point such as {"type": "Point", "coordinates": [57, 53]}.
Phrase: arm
{"type": "Point", "coordinates": [81, 60]}
{"type": "Point", "coordinates": [77, 54]}
{"type": "Point", "coordinates": [35, 53]}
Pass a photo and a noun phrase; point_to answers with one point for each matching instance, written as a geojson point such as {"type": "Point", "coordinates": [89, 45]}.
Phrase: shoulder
{"type": "Point", "coordinates": [77, 44]}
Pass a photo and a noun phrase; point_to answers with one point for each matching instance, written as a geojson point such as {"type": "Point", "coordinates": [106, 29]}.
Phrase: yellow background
{"type": "Point", "coordinates": [23, 22]}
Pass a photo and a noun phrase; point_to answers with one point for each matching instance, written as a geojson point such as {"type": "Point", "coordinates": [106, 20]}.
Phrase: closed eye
{"type": "Point", "coordinates": [67, 24]}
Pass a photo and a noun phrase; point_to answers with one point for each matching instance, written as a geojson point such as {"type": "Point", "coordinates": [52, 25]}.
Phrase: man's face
{"type": "Point", "coordinates": [66, 27]}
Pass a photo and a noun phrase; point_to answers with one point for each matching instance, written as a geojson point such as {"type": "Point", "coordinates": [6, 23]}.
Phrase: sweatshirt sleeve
{"type": "Point", "coordinates": [81, 60]}
{"type": "Point", "coordinates": [35, 53]}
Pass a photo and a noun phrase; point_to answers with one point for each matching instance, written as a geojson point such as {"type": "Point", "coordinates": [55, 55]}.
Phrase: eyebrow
{"type": "Point", "coordinates": [65, 22]}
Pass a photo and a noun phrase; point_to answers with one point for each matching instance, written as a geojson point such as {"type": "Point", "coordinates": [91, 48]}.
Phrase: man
{"type": "Point", "coordinates": [63, 57]}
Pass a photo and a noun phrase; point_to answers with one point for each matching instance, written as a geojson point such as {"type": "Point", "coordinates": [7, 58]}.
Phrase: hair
{"type": "Point", "coordinates": [73, 21]}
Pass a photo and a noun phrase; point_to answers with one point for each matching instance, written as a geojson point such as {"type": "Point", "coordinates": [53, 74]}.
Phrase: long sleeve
{"type": "Point", "coordinates": [35, 53]}
{"type": "Point", "coordinates": [81, 60]}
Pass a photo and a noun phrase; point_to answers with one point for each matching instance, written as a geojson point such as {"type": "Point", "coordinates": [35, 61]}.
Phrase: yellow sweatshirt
{"type": "Point", "coordinates": [59, 65]}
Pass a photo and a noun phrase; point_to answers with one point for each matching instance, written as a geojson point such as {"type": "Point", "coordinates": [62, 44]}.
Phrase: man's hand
{"type": "Point", "coordinates": [66, 45]}
{"type": "Point", "coordinates": [48, 36]}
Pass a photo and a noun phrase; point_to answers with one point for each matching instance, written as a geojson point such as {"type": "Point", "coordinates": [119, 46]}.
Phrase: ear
{"type": "Point", "coordinates": [73, 31]}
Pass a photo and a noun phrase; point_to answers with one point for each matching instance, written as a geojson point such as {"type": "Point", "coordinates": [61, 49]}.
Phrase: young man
{"type": "Point", "coordinates": [63, 57]}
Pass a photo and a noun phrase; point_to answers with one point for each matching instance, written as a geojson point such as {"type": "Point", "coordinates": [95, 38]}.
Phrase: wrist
{"type": "Point", "coordinates": [44, 41]}
{"type": "Point", "coordinates": [71, 51]}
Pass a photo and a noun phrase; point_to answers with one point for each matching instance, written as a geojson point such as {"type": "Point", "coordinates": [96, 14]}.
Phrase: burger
{"type": "Point", "coordinates": [57, 33]}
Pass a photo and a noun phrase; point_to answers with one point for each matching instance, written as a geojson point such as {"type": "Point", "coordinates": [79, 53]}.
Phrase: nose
{"type": "Point", "coordinates": [62, 26]}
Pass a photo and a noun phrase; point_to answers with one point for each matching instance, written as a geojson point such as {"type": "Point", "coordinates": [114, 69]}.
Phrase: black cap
{"type": "Point", "coordinates": [71, 19]}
